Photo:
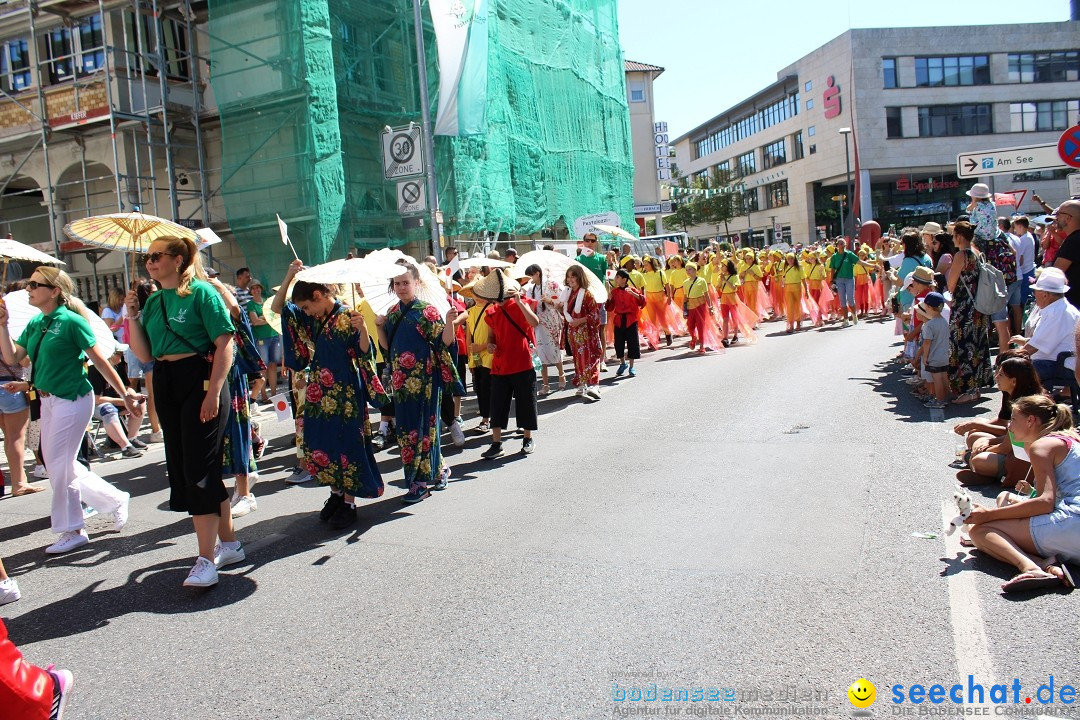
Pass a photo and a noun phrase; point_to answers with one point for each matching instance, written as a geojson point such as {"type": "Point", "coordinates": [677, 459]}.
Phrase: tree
{"type": "Point", "coordinates": [650, 227]}
{"type": "Point", "coordinates": [722, 207]}
{"type": "Point", "coordinates": [684, 215]}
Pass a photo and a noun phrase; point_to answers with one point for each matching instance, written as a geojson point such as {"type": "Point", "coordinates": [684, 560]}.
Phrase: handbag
{"type": "Point", "coordinates": [32, 394]}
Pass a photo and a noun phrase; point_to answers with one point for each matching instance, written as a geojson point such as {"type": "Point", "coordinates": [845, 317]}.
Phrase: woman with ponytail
{"type": "Point", "coordinates": [186, 329]}
{"type": "Point", "coordinates": [1038, 532]}
{"type": "Point", "coordinates": [57, 341]}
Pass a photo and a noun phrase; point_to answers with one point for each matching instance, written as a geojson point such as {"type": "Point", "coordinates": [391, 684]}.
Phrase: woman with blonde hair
{"type": "Point", "coordinates": [113, 313]}
{"type": "Point", "coordinates": [187, 330]}
{"type": "Point", "coordinates": [56, 341]}
{"type": "Point", "coordinates": [1040, 532]}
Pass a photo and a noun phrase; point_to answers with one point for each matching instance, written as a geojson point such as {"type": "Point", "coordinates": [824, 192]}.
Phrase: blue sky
{"type": "Point", "coordinates": [718, 52]}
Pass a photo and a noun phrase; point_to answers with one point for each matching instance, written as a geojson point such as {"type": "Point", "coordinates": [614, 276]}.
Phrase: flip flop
{"type": "Point", "coordinates": [1066, 577]}
{"type": "Point", "coordinates": [1033, 580]}
{"type": "Point", "coordinates": [28, 490]}
{"type": "Point", "coordinates": [966, 398]}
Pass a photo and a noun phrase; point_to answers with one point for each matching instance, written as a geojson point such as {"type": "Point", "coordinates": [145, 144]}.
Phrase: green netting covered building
{"type": "Point", "coordinates": [305, 87]}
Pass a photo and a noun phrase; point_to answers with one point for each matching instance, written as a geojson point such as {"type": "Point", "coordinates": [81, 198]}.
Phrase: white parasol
{"type": "Point", "coordinates": [477, 262]}
{"type": "Point", "coordinates": [21, 312]}
{"type": "Point", "coordinates": [430, 289]}
{"type": "Point", "coordinates": [554, 265]}
{"type": "Point", "coordinates": [15, 250]}
{"type": "Point", "coordinates": [613, 230]}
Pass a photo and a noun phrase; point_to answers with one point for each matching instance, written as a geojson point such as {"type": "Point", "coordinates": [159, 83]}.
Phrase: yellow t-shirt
{"type": "Point", "coordinates": [695, 288]}
{"type": "Point", "coordinates": [637, 279]}
{"type": "Point", "coordinates": [793, 275]}
{"type": "Point", "coordinates": [816, 272]}
{"type": "Point", "coordinates": [729, 284]}
{"type": "Point", "coordinates": [676, 277]}
{"type": "Point", "coordinates": [654, 281]}
{"type": "Point", "coordinates": [753, 274]}
{"type": "Point", "coordinates": [481, 335]}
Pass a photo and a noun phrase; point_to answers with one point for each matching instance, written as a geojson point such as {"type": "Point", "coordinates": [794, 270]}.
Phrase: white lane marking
{"type": "Point", "coordinates": [969, 629]}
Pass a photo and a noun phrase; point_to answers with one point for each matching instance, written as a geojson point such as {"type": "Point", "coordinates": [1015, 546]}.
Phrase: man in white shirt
{"type": "Point", "coordinates": [1051, 329]}
{"type": "Point", "coordinates": [1023, 242]}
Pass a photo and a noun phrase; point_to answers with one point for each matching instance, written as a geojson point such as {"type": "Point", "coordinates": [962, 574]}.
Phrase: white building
{"type": "Point", "coordinates": [914, 99]}
{"type": "Point", "coordinates": [649, 153]}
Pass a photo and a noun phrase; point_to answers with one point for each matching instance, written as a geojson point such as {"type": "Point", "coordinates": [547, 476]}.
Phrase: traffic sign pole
{"type": "Point", "coordinates": [425, 128]}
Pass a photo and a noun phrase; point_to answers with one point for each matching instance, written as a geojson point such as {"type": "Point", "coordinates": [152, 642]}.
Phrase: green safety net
{"type": "Point", "coordinates": [305, 87]}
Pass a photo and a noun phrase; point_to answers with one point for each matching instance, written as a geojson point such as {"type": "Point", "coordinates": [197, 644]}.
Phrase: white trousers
{"type": "Point", "coordinates": [63, 423]}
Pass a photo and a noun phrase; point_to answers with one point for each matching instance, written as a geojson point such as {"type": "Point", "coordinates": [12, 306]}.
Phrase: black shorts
{"type": "Point", "coordinates": [937, 369]}
{"type": "Point", "coordinates": [519, 388]}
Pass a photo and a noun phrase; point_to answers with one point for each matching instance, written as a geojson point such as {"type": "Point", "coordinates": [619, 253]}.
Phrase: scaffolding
{"type": "Point", "coordinates": [86, 84]}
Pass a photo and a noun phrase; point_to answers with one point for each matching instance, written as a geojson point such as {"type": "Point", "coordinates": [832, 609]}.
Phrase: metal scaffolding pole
{"type": "Point", "coordinates": [45, 133]}
{"type": "Point", "coordinates": [174, 205]}
{"type": "Point", "coordinates": [425, 130]}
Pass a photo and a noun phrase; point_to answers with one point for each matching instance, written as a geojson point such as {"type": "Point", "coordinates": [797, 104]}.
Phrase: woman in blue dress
{"type": "Point", "coordinates": [333, 346]}
{"type": "Point", "coordinates": [418, 341]}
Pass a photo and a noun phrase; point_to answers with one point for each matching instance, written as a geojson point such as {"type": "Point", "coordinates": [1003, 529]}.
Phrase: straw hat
{"type": "Point", "coordinates": [931, 228]}
{"type": "Point", "coordinates": [924, 275]}
{"type": "Point", "coordinates": [495, 286]}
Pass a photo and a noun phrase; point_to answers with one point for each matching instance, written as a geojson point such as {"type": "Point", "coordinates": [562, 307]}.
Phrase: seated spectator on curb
{"type": "Point", "coordinates": [1037, 534]}
{"type": "Point", "coordinates": [992, 455]}
{"type": "Point", "coordinates": [1051, 327]}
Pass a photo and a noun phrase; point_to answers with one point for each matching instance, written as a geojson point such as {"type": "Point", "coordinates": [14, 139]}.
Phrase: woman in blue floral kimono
{"type": "Point", "coordinates": [336, 352]}
{"type": "Point", "coordinates": [418, 341]}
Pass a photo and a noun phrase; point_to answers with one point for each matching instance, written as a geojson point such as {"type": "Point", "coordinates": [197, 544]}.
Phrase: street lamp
{"type": "Point", "coordinates": [849, 230]}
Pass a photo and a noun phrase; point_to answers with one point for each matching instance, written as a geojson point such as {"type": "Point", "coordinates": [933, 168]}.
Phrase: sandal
{"type": "Point", "coordinates": [1066, 578]}
{"type": "Point", "coordinates": [28, 490]}
{"type": "Point", "coordinates": [562, 384]}
{"type": "Point", "coordinates": [1032, 580]}
{"type": "Point", "coordinates": [966, 398]}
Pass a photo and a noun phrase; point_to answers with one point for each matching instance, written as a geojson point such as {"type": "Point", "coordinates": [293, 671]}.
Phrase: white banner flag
{"type": "Point", "coordinates": [461, 34]}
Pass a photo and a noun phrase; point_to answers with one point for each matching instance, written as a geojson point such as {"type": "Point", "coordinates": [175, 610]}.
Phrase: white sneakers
{"type": "Point", "coordinates": [68, 541]}
{"type": "Point", "coordinates": [228, 554]}
{"type": "Point", "coordinates": [156, 437]}
{"type": "Point", "coordinates": [298, 478]}
{"type": "Point", "coordinates": [120, 517]}
{"type": "Point", "coordinates": [203, 574]}
{"type": "Point", "coordinates": [593, 392]}
{"type": "Point", "coordinates": [244, 505]}
{"type": "Point", "coordinates": [580, 391]}
{"type": "Point", "coordinates": [457, 435]}
{"type": "Point", "coordinates": [9, 591]}
{"type": "Point", "coordinates": [40, 472]}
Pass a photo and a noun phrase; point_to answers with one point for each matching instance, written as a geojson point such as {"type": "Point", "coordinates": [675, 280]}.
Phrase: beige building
{"type": "Point", "coordinates": [648, 136]}
{"type": "Point", "coordinates": [914, 99]}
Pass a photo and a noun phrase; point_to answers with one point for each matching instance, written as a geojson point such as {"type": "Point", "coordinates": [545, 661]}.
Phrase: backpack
{"type": "Point", "coordinates": [990, 291]}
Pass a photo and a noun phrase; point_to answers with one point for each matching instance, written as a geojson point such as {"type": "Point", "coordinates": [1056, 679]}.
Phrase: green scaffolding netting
{"type": "Point", "coordinates": [304, 89]}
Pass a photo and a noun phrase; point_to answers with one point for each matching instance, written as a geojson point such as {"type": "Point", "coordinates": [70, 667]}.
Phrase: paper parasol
{"type": "Point", "coordinates": [612, 230]}
{"type": "Point", "coordinates": [21, 312]}
{"type": "Point", "coordinates": [554, 265]}
{"type": "Point", "coordinates": [126, 232]}
{"type": "Point", "coordinates": [429, 290]}
{"type": "Point", "coordinates": [477, 262]}
{"type": "Point", "coordinates": [15, 250]}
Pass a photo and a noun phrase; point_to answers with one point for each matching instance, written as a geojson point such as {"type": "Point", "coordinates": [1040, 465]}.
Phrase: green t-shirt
{"type": "Point", "coordinates": [56, 342]}
{"type": "Point", "coordinates": [261, 332]}
{"type": "Point", "coordinates": [595, 262]}
{"type": "Point", "coordinates": [199, 318]}
{"type": "Point", "coordinates": [846, 263]}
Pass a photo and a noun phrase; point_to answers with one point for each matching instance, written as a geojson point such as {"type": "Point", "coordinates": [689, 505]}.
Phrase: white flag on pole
{"type": "Point", "coordinates": [284, 230]}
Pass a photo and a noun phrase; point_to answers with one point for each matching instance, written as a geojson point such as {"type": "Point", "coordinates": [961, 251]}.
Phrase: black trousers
{"type": "Point", "coordinates": [193, 449]}
{"type": "Point", "coordinates": [519, 388]}
{"type": "Point", "coordinates": [386, 410]}
{"type": "Point", "coordinates": [626, 338]}
{"type": "Point", "coordinates": [446, 410]}
{"type": "Point", "coordinates": [482, 384]}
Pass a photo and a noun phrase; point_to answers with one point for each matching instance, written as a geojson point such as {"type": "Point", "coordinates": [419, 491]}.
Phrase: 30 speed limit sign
{"type": "Point", "coordinates": [402, 152]}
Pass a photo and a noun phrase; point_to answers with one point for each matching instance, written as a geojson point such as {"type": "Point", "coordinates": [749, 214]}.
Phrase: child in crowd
{"type": "Point", "coordinates": [934, 353]}
{"type": "Point", "coordinates": [624, 305]}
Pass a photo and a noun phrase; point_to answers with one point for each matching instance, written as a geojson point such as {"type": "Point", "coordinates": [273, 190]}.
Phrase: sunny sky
{"type": "Point", "coordinates": [719, 52]}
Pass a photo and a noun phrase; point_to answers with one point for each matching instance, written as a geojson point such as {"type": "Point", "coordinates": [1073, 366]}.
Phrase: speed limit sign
{"type": "Point", "coordinates": [402, 152]}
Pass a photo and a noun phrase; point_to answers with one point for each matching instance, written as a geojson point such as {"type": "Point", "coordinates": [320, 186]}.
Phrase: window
{"type": "Point", "coordinates": [949, 120]}
{"type": "Point", "coordinates": [177, 54]}
{"type": "Point", "coordinates": [749, 202]}
{"type": "Point", "coordinates": [813, 149]}
{"type": "Point", "coordinates": [734, 131]}
{"type": "Point", "coordinates": [58, 51]}
{"type": "Point", "coordinates": [91, 44]}
{"type": "Point", "coordinates": [745, 164]}
{"type": "Point", "coordinates": [952, 71]}
{"type": "Point", "coordinates": [797, 144]}
{"type": "Point", "coordinates": [811, 131]}
{"type": "Point", "coordinates": [637, 92]}
{"type": "Point", "coordinates": [15, 65]}
{"type": "Point", "coordinates": [809, 86]}
{"type": "Point", "coordinates": [776, 194]}
{"type": "Point", "coordinates": [1044, 67]}
{"type": "Point", "coordinates": [888, 71]}
{"type": "Point", "coordinates": [894, 127]}
{"type": "Point", "coordinates": [774, 154]}
{"type": "Point", "coordinates": [810, 104]}
{"type": "Point", "coordinates": [1040, 116]}
{"type": "Point", "coordinates": [75, 51]}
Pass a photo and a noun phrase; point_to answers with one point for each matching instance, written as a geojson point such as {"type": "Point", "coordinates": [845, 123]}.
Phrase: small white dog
{"type": "Point", "coordinates": [963, 504]}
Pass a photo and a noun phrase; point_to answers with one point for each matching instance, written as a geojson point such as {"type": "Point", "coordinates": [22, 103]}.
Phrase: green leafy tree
{"type": "Point", "coordinates": [684, 215]}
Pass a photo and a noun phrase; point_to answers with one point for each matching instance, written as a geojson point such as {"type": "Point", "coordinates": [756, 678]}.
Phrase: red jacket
{"type": "Point", "coordinates": [626, 304]}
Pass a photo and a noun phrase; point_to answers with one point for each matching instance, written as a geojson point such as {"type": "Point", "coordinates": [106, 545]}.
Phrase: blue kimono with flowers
{"type": "Point", "coordinates": [335, 443]}
{"type": "Point", "coordinates": [420, 367]}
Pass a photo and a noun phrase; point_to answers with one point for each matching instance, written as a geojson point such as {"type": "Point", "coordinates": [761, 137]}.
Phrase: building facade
{"type": "Point", "coordinates": [649, 140]}
{"type": "Point", "coordinates": [911, 109]}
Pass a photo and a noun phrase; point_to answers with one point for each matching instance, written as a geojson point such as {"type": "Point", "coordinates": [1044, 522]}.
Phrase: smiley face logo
{"type": "Point", "coordinates": [862, 693]}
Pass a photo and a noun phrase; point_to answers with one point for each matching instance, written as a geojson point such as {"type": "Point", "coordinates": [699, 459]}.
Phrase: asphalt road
{"type": "Point", "coordinates": [741, 521]}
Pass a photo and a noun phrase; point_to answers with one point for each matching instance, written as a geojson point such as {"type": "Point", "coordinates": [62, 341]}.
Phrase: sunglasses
{"type": "Point", "coordinates": [155, 257]}
{"type": "Point", "coordinates": [34, 285]}
{"type": "Point", "coordinates": [589, 240]}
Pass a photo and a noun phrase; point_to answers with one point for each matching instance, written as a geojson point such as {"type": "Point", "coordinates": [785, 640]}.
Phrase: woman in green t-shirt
{"type": "Point", "coordinates": [57, 341]}
{"type": "Point", "coordinates": [186, 330]}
